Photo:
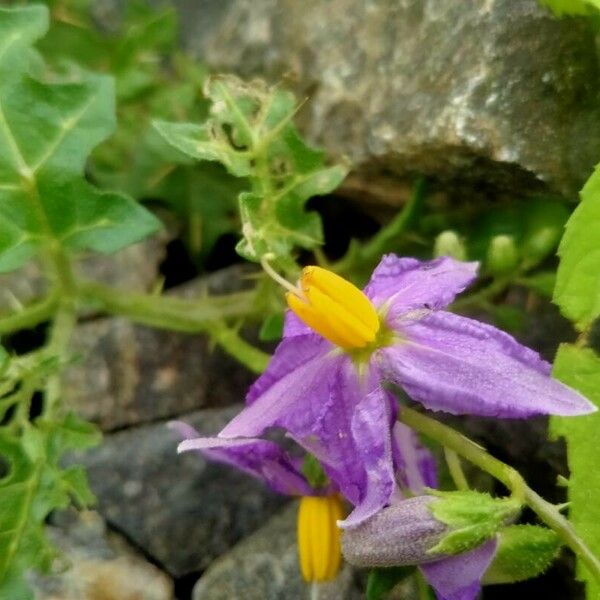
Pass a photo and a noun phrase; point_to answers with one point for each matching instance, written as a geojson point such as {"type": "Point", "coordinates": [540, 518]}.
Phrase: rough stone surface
{"type": "Point", "coordinates": [492, 91]}
{"type": "Point", "coordinates": [128, 374]}
{"type": "Point", "coordinates": [265, 567]}
{"type": "Point", "coordinates": [181, 510]}
{"type": "Point", "coordinates": [98, 565]}
{"type": "Point", "coordinates": [135, 268]}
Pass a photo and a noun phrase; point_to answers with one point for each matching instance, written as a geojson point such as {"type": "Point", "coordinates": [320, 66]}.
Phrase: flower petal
{"type": "Point", "coordinates": [371, 432]}
{"type": "Point", "coordinates": [406, 284]}
{"type": "Point", "coordinates": [289, 355]}
{"type": "Point", "coordinates": [291, 393]}
{"type": "Point", "coordinates": [458, 365]}
{"type": "Point", "coordinates": [459, 577]}
{"type": "Point", "coordinates": [262, 459]}
{"type": "Point", "coordinates": [351, 439]}
{"type": "Point", "coordinates": [293, 326]}
{"type": "Point", "coordinates": [415, 465]}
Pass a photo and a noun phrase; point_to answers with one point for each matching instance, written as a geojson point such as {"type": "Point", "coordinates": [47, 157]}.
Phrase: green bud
{"type": "Point", "coordinates": [448, 243]}
{"type": "Point", "coordinates": [524, 551]}
{"type": "Point", "coordinates": [472, 518]}
{"type": "Point", "coordinates": [502, 255]}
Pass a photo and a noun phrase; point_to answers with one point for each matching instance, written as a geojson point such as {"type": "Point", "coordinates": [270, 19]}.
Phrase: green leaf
{"type": "Point", "coordinates": [34, 486]}
{"type": "Point", "coordinates": [473, 518]}
{"type": "Point", "coordinates": [250, 132]}
{"type": "Point", "coordinates": [382, 581]}
{"type": "Point", "coordinates": [577, 289]}
{"type": "Point", "coordinates": [570, 7]}
{"type": "Point", "coordinates": [524, 551]}
{"type": "Point", "coordinates": [580, 368]}
{"type": "Point", "coordinates": [19, 29]}
{"type": "Point", "coordinates": [197, 141]}
{"type": "Point", "coordinates": [272, 328]}
{"type": "Point", "coordinates": [46, 132]}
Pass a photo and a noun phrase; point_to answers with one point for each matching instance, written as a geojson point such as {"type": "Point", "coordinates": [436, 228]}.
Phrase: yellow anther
{"type": "Point", "coordinates": [335, 308]}
{"type": "Point", "coordinates": [319, 547]}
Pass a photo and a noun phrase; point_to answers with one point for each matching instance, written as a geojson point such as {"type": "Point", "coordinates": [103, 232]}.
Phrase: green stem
{"type": "Point", "coordinates": [511, 478]}
{"type": "Point", "coordinates": [30, 316]}
{"type": "Point", "coordinates": [387, 238]}
{"type": "Point", "coordinates": [60, 335]}
{"type": "Point", "coordinates": [455, 468]}
{"type": "Point", "coordinates": [165, 312]}
{"type": "Point", "coordinates": [422, 586]}
{"type": "Point", "coordinates": [202, 315]}
{"type": "Point", "coordinates": [256, 360]}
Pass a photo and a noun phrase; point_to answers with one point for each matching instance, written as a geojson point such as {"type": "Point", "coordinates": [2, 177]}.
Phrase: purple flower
{"type": "Point", "coordinates": [323, 385]}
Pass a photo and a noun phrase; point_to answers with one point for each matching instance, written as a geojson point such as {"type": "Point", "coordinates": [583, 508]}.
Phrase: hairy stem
{"type": "Point", "coordinates": [30, 316]}
{"type": "Point", "coordinates": [455, 468]}
{"type": "Point", "coordinates": [511, 478]}
{"type": "Point", "coordinates": [198, 315]}
{"type": "Point", "coordinates": [166, 312]}
{"type": "Point", "coordinates": [229, 339]}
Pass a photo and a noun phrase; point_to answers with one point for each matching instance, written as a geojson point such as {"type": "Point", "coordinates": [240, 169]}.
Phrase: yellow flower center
{"type": "Point", "coordinates": [319, 545]}
{"type": "Point", "coordinates": [335, 309]}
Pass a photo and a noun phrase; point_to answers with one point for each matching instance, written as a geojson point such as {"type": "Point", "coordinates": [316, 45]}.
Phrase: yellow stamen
{"type": "Point", "coordinates": [319, 547]}
{"type": "Point", "coordinates": [335, 308]}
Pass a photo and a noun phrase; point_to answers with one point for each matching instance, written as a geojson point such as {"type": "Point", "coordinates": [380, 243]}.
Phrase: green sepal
{"type": "Point", "coordinates": [523, 552]}
{"type": "Point", "coordinates": [313, 471]}
{"type": "Point", "coordinates": [472, 518]}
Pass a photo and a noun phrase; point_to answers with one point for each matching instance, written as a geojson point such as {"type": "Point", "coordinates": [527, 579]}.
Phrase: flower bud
{"type": "Point", "coordinates": [402, 534]}
{"type": "Point", "coordinates": [502, 255]}
{"type": "Point", "coordinates": [448, 243]}
{"type": "Point", "coordinates": [426, 528]}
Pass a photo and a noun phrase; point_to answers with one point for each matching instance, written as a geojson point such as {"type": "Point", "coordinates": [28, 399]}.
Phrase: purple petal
{"type": "Point", "coordinates": [291, 393]}
{"type": "Point", "coordinates": [371, 431]}
{"type": "Point", "coordinates": [406, 284]}
{"type": "Point", "coordinates": [415, 464]}
{"type": "Point", "coordinates": [459, 577]}
{"type": "Point", "coordinates": [351, 439]}
{"type": "Point", "coordinates": [289, 355]}
{"type": "Point", "coordinates": [458, 365]}
{"type": "Point", "coordinates": [293, 326]}
{"type": "Point", "coordinates": [262, 459]}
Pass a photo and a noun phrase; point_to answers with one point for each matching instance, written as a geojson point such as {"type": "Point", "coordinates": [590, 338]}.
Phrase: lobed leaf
{"type": "Point", "coordinates": [580, 368]}
{"type": "Point", "coordinates": [47, 131]}
{"type": "Point", "coordinates": [34, 486]}
{"type": "Point", "coordinates": [577, 290]}
{"type": "Point", "coordinates": [250, 132]}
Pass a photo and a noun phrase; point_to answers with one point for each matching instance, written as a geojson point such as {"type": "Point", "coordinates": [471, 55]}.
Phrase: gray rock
{"type": "Point", "coordinates": [265, 567]}
{"type": "Point", "coordinates": [493, 91]}
{"type": "Point", "coordinates": [181, 510]}
{"type": "Point", "coordinates": [97, 564]}
{"type": "Point", "coordinates": [128, 374]}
